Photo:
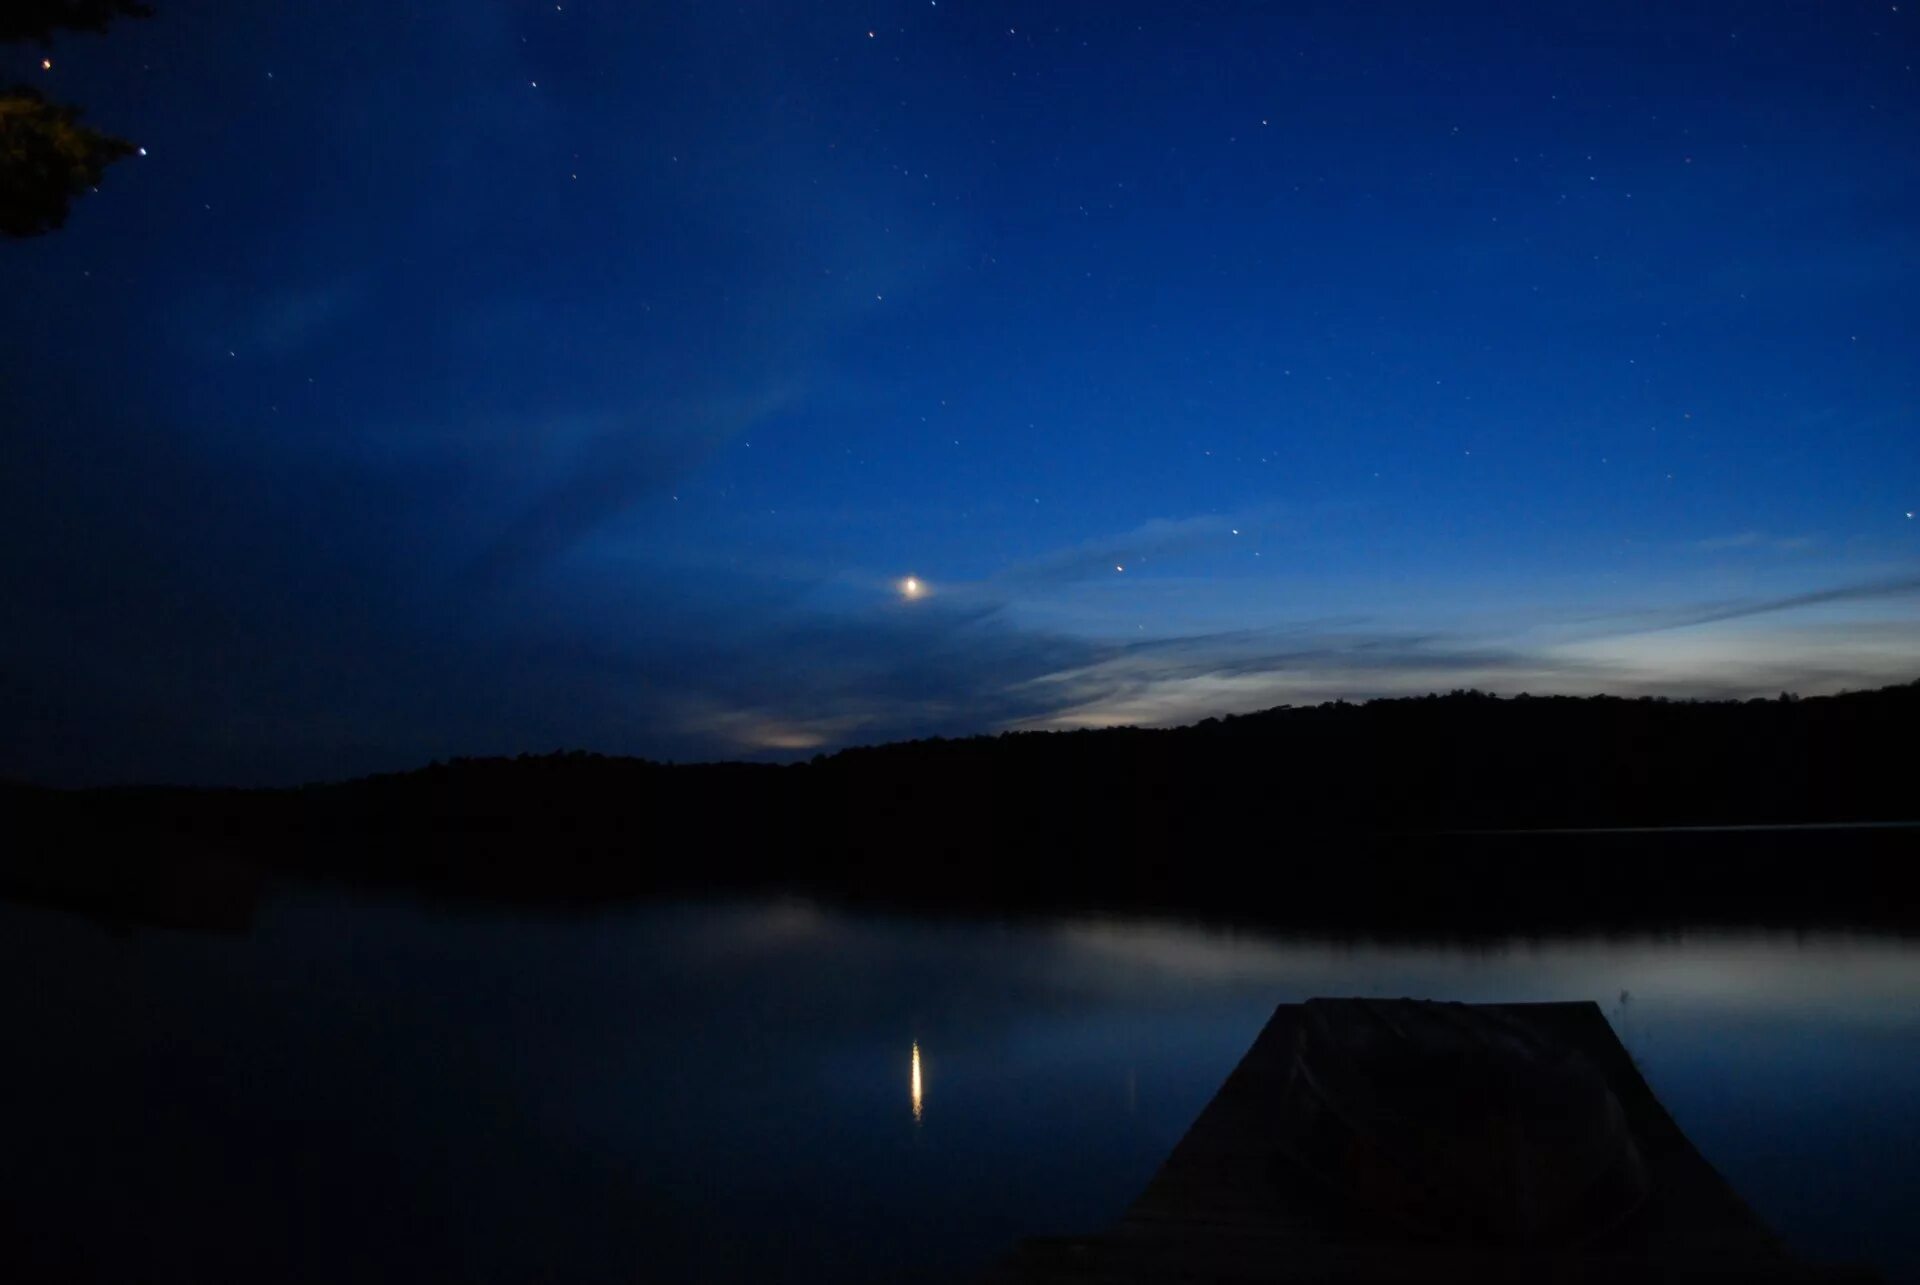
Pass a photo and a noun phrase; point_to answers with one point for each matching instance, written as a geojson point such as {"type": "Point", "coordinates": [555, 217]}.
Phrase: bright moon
{"type": "Point", "coordinates": [913, 587]}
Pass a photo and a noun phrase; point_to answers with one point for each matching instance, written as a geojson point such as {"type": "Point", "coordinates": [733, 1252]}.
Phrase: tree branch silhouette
{"type": "Point", "coordinates": [47, 156]}
{"type": "Point", "coordinates": [37, 20]}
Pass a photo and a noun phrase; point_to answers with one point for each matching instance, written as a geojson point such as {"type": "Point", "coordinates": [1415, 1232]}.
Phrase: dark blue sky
{"type": "Point", "coordinates": [475, 377]}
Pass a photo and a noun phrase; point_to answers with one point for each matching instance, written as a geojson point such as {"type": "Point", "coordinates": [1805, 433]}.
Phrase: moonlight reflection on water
{"type": "Point", "coordinates": [711, 1091]}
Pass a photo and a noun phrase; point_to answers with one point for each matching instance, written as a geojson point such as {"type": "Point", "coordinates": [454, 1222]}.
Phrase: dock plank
{"type": "Point", "coordinates": [1227, 1205]}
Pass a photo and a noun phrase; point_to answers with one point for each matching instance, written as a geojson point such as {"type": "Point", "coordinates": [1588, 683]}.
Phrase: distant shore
{"type": "Point", "coordinates": [1463, 811]}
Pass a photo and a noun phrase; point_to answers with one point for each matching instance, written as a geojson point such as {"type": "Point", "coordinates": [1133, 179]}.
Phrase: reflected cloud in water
{"type": "Point", "coordinates": [712, 1090]}
{"type": "Point", "coordinates": [1836, 976]}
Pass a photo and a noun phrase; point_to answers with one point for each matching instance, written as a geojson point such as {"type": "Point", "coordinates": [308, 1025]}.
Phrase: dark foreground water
{"type": "Point", "coordinates": [390, 1092]}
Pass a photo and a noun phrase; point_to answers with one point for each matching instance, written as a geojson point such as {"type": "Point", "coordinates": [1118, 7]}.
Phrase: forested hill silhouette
{"type": "Point", "coordinates": [1292, 810]}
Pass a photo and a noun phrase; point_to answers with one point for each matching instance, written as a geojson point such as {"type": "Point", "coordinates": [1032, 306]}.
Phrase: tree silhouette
{"type": "Point", "coordinates": [37, 20]}
{"type": "Point", "coordinates": [47, 157]}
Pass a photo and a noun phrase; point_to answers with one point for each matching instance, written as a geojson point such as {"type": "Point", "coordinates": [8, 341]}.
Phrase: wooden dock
{"type": "Point", "coordinates": [1228, 1205]}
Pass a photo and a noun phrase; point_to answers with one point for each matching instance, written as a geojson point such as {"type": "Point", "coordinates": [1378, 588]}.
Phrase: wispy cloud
{"type": "Point", "coordinates": [292, 319]}
{"type": "Point", "coordinates": [1754, 540]}
{"type": "Point", "coordinates": [1147, 545]}
{"type": "Point", "coordinates": [247, 321]}
{"type": "Point", "coordinates": [972, 663]}
{"type": "Point", "coordinates": [1890, 588]}
{"type": "Point", "coordinates": [611, 467]}
{"type": "Point", "coordinates": [1180, 680]}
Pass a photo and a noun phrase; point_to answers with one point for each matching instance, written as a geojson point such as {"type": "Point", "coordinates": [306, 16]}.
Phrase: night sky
{"type": "Point", "coordinates": [475, 377]}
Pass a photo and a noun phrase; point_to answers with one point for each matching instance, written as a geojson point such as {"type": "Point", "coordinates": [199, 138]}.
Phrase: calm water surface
{"type": "Point", "coordinates": [784, 1092]}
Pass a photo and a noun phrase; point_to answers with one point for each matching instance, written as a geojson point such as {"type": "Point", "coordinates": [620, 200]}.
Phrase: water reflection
{"type": "Point", "coordinates": [513, 1098]}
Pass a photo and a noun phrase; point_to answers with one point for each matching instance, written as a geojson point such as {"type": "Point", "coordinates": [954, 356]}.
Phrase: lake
{"type": "Point", "coordinates": [384, 1090]}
